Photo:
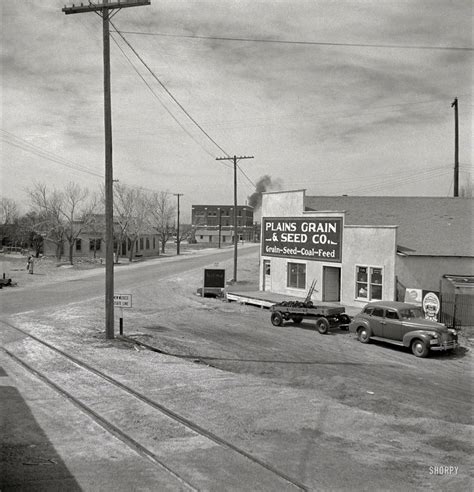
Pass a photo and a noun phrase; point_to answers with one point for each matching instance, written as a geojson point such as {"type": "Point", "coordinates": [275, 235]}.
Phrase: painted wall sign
{"type": "Point", "coordinates": [308, 238]}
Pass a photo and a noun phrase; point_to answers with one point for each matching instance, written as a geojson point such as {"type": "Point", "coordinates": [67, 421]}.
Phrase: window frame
{"type": "Point", "coordinates": [298, 274]}
{"type": "Point", "coordinates": [93, 244]}
{"type": "Point", "coordinates": [373, 288]}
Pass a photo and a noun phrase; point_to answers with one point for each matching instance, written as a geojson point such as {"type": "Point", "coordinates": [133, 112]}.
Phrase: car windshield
{"type": "Point", "coordinates": [411, 313]}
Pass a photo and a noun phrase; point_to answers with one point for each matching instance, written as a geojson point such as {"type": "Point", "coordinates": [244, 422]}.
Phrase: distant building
{"type": "Point", "coordinates": [90, 242]}
{"type": "Point", "coordinates": [214, 224]}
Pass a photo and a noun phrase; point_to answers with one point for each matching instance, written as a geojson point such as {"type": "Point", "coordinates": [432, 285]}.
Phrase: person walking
{"type": "Point", "coordinates": [31, 263]}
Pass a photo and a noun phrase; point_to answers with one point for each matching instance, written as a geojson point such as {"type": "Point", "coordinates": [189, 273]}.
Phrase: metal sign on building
{"type": "Point", "coordinates": [306, 238]}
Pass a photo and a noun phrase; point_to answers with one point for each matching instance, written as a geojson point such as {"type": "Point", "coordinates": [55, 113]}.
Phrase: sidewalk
{"type": "Point", "coordinates": [248, 293]}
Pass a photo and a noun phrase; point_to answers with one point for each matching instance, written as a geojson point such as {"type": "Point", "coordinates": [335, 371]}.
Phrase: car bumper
{"type": "Point", "coordinates": [450, 345]}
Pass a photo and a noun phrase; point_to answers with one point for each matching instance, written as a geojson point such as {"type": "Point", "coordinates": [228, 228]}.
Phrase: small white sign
{"type": "Point", "coordinates": [123, 300]}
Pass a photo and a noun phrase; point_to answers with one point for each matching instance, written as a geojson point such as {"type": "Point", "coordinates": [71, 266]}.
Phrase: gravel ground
{"type": "Point", "coordinates": [294, 398]}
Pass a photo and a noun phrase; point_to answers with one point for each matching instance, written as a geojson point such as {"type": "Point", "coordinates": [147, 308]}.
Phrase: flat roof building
{"type": "Point", "coordinates": [215, 223]}
{"type": "Point", "coordinates": [360, 249]}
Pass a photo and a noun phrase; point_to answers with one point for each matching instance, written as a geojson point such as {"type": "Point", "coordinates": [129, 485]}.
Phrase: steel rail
{"type": "Point", "coordinates": [157, 406]}
{"type": "Point", "coordinates": [109, 427]}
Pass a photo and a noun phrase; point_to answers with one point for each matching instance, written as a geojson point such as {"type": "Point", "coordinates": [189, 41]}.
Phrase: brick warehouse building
{"type": "Point", "coordinates": [360, 249]}
{"type": "Point", "coordinates": [214, 224]}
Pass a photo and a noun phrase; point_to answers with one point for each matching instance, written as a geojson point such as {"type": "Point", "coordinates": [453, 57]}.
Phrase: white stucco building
{"type": "Point", "coordinates": [361, 249]}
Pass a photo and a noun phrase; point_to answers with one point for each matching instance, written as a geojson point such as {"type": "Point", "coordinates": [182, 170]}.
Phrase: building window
{"type": "Point", "coordinates": [78, 244]}
{"type": "Point", "coordinates": [141, 243]}
{"type": "Point", "coordinates": [94, 244]}
{"type": "Point", "coordinates": [154, 243]}
{"type": "Point", "coordinates": [147, 243]}
{"type": "Point", "coordinates": [297, 275]}
{"type": "Point", "coordinates": [369, 283]}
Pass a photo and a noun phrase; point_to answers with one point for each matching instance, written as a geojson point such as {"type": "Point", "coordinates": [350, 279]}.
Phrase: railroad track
{"type": "Point", "coordinates": [91, 386]}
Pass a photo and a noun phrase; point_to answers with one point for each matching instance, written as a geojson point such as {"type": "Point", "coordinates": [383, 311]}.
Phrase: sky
{"type": "Point", "coordinates": [335, 97]}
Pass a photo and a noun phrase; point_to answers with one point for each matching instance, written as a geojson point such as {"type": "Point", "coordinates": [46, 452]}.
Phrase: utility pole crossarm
{"type": "Point", "coordinates": [96, 7]}
{"type": "Point", "coordinates": [235, 159]}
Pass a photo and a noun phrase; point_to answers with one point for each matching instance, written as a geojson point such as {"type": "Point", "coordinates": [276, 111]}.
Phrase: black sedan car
{"type": "Point", "coordinates": [402, 324]}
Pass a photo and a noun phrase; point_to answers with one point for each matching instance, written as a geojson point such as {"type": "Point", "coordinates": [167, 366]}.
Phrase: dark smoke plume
{"type": "Point", "coordinates": [265, 183]}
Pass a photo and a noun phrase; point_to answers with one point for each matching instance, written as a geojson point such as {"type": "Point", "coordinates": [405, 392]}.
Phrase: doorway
{"type": "Point", "coordinates": [266, 275]}
{"type": "Point", "coordinates": [331, 284]}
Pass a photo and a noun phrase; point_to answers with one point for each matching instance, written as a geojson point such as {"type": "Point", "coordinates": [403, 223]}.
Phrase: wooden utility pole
{"type": "Point", "coordinates": [177, 228]}
{"type": "Point", "coordinates": [456, 147]}
{"type": "Point", "coordinates": [103, 9]}
{"type": "Point", "coordinates": [219, 211]}
{"type": "Point", "coordinates": [236, 239]}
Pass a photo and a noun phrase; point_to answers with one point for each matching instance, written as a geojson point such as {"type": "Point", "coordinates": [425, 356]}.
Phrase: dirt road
{"type": "Point", "coordinates": [330, 412]}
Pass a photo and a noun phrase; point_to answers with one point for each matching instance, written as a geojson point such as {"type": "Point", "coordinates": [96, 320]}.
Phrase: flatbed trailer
{"type": "Point", "coordinates": [325, 316]}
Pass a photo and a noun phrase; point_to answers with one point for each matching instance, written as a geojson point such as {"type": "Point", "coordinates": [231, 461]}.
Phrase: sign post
{"type": "Point", "coordinates": [122, 301]}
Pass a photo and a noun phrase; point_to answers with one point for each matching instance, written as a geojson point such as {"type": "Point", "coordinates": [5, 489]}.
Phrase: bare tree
{"type": "Point", "coordinates": [124, 199]}
{"type": "Point", "coordinates": [28, 231]}
{"type": "Point", "coordinates": [139, 222]}
{"type": "Point", "coordinates": [131, 216]}
{"type": "Point", "coordinates": [9, 213]}
{"type": "Point", "coordinates": [48, 206]}
{"type": "Point", "coordinates": [162, 215]}
{"type": "Point", "coordinates": [77, 211]}
{"type": "Point", "coordinates": [63, 214]}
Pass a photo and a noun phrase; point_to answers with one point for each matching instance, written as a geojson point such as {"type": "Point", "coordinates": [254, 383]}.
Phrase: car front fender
{"type": "Point", "coordinates": [421, 334]}
{"type": "Point", "coordinates": [357, 323]}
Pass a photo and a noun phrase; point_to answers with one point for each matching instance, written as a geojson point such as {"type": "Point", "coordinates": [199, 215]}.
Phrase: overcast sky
{"type": "Point", "coordinates": [324, 114]}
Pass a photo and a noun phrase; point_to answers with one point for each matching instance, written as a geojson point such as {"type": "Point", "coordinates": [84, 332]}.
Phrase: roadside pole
{"type": "Point", "coordinates": [103, 9]}
{"type": "Point", "coordinates": [177, 225]}
{"type": "Point", "coordinates": [236, 238]}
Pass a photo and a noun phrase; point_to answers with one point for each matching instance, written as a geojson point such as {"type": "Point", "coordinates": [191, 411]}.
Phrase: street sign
{"type": "Point", "coordinates": [123, 300]}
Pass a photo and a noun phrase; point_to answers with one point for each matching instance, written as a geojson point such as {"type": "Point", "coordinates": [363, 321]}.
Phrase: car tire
{"type": "Point", "coordinates": [363, 334]}
{"type": "Point", "coordinates": [297, 320]}
{"type": "Point", "coordinates": [345, 320]}
{"type": "Point", "coordinates": [277, 318]}
{"type": "Point", "coordinates": [322, 325]}
{"type": "Point", "coordinates": [419, 348]}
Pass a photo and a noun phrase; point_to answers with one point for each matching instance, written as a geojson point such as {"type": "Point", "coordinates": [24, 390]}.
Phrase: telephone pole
{"type": "Point", "coordinates": [456, 147]}
{"type": "Point", "coordinates": [235, 159]}
{"type": "Point", "coordinates": [104, 9]}
{"type": "Point", "coordinates": [177, 228]}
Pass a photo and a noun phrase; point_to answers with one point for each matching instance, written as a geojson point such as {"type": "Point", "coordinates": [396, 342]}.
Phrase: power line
{"type": "Point", "coordinates": [248, 179]}
{"type": "Point", "coordinates": [400, 181]}
{"type": "Point", "coordinates": [159, 100]}
{"type": "Point", "coordinates": [305, 43]}
{"type": "Point", "coordinates": [23, 144]}
{"type": "Point", "coordinates": [169, 92]}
